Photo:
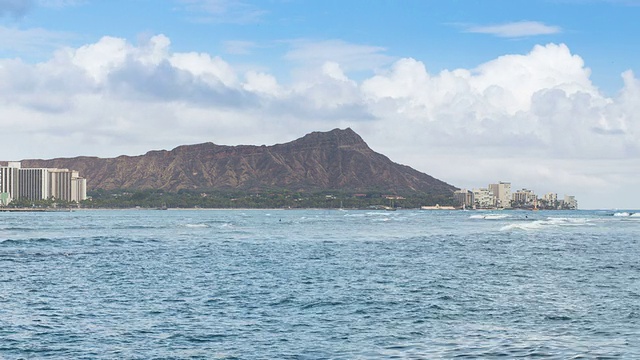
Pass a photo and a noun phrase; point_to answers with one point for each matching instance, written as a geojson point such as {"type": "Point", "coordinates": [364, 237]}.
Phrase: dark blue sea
{"type": "Point", "coordinates": [319, 284]}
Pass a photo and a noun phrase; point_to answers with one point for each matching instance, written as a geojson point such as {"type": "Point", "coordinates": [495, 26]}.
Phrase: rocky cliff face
{"type": "Point", "coordinates": [334, 160]}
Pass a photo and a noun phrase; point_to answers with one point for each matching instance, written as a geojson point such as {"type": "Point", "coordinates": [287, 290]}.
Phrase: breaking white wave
{"type": "Point", "coordinates": [622, 214]}
{"type": "Point", "coordinates": [196, 225]}
{"type": "Point", "coordinates": [548, 223]}
{"type": "Point", "coordinates": [489, 216]}
{"type": "Point", "coordinates": [627, 214]}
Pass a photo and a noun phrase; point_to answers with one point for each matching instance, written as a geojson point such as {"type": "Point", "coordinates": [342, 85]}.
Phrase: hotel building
{"type": "Point", "coordinates": [524, 197]}
{"type": "Point", "coordinates": [502, 193]}
{"type": "Point", "coordinates": [499, 196]}
{"type": "Point", "coordinates": [40, 184]}
{"type": "Point", "coordinates": [483, 198]}
{"type": "Point", "coordinates": [464, 198]}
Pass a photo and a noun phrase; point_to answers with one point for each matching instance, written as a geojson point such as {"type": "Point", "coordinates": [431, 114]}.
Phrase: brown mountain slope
{"type": "Point", "coordinates": [334, 160]}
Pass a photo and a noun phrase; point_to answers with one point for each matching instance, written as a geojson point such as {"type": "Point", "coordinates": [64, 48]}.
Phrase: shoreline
{"type": "Point", "coordinates": [429, 209]}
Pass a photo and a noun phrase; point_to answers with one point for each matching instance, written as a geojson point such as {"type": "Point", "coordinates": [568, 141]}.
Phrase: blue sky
{"type": "Point", "coordinates": [531, 92]}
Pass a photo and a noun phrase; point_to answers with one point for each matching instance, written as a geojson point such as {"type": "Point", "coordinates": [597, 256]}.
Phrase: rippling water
{"type": "Point", "coordinates": [318, 284]}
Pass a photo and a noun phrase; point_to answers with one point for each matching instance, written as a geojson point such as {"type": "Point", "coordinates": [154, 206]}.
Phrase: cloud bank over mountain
{"type": "Point", "coordinates": [535, 118]}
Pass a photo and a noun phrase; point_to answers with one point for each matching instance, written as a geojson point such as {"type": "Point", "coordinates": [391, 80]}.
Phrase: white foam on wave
{"type": "Point", "coordinates": [622, 214]}
{"type": "Point", "coordinates": [570, 221]}
{"type": "Point", "coordinates": [533, 225]}
{"type": "Point", "coordinates": [550, 222]}
{"type": "Point", "coordinates": [635, 215]}
{"type": "Point", "coordinates": [354, 215]}
{"type": "Point", "coordinates": [196, 225]}
{"type": "Point", "coordinates": [377, 213]}
{"type": "Point", "coordinates": [489, 216]}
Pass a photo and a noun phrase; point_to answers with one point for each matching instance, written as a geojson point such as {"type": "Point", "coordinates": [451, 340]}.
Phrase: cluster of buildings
{"type": "Point", "coordinates": [36, 184]}
{"type": "Point", "coordinates": [499, 196]}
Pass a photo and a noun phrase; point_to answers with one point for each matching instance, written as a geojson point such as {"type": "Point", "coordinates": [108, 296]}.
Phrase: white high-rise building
{"type": "Point", "coordinates": [8, 182]}
{"type": "Point", "coordinates": [78, 189]}
{"type": "Point", "coordinates": [483, 198]}
{"type": "Point", "coordinates": [34, 184]}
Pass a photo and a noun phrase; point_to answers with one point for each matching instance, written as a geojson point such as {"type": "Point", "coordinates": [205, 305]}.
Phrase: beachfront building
{"type": "Point", "coordinates": [499, 196]}
{"type": "Point", "coordinates": [78, 189]}
{"type": "Point", "coordinates": [8, 182]}
{"type": "Point", "coordinates": [35, 184]}
{"type": "Point", "coordinates": [502, 193]}
{"type": "Point", "coordinates": [464, 198]}
{"type": "Point", "coordinates": [523, 197]}
{"type": "Point", "coordinates": [550, 200]}
{"type": "Point", "coordinates": [483, 198]}
{"type": "Point", "coordinates": [570, 202]}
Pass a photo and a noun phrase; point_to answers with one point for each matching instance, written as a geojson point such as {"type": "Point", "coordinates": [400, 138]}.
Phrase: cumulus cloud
{"type": "Point", "coordinates": [534, 119]}
{"type": "Point", "coordinates": [516, 29]}
{"type": "Point", "coordinates": [511, 106]}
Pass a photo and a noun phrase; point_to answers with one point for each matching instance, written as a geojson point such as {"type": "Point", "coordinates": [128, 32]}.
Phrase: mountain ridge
{"type": "Point", "coordinates": [333, 160]}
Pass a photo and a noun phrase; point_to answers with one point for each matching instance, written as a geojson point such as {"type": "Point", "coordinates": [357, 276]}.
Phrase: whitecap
{"type": "Point", "coordinates": [527, 226]}
{"type": "Point", "coordinates": [622, 214]}
{"type": "Point", "coordinates": [550, 222]}
{"type": "Point", "coordinates": [489, 216]}
{"type": "Point", "coordinates": [196, 225]}
{"type": "Point", "coordinates": [354, 215]}
{"type": "Point", "coordinates": [377, 213]}
{"type": "Point", "coordinates": [567, 221]}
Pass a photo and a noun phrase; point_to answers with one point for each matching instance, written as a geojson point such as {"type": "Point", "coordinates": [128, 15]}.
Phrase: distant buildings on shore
{"type": "Point", "coordinates": [499, 196]}
{"type": "Point", "coordinates": [18, 183]}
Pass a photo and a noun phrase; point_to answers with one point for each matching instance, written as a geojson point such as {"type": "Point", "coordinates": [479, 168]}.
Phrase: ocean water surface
{"type": "Point", "coordinates": [319, 284]}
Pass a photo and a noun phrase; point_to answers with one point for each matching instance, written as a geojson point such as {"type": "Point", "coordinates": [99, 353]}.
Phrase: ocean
{"type": "Point", "coordinates": [319, 284]}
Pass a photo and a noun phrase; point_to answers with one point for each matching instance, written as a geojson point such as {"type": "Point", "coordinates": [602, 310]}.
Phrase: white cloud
{"type": "Point", "coordinates": [261, 83]}
{"type": "Point", "coordinates": [516, 29]}
{"type": "Point", "coordinates": [100, 59]}
{"type": "Point", "coordinates": [213, 70]}
{"type": "Point", "coordinates": [534, 119]}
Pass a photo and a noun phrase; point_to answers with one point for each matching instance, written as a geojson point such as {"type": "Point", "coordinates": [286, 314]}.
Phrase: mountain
{"type": "Point", "coordinates": [333, 160]}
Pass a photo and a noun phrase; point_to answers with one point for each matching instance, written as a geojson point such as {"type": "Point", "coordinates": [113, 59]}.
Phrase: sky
{"type": "Point", "coordinates": [543, 94]}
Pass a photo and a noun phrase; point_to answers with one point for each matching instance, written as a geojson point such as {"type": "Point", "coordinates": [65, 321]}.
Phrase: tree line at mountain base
{"type": "Point", "coordinates": [122, 199]}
